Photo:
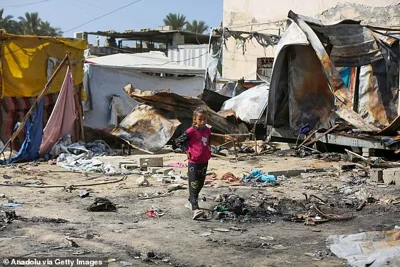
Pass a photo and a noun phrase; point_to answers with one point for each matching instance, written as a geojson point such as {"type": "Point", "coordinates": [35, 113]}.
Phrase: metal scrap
{"type": "Point", "coordinates": [150, 127]}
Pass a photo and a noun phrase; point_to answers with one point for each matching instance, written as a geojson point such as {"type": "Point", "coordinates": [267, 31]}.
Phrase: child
{"type": "Point", "coordinates": [196, 143]}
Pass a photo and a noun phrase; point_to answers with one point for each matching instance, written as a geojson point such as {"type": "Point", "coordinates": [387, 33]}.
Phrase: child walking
{"type": "Point", "coordinates": [196, 143]}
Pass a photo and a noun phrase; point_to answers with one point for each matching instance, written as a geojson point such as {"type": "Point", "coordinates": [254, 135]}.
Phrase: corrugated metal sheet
{"type": "Point", "coordinates": [353, 45]}
{"type": "Point", "coordinates": [189, 55]}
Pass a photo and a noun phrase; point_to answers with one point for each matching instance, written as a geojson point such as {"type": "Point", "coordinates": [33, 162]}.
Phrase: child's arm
{"type": "Point", "coordinates": [182, 141]}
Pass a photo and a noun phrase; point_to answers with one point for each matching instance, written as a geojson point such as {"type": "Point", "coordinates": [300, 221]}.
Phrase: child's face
{"type": "Point", "coordinates": [200, 120]}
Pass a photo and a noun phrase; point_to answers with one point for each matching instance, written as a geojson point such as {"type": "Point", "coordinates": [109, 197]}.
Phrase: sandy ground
{"type": "Point", "coordinates": [128, 237]}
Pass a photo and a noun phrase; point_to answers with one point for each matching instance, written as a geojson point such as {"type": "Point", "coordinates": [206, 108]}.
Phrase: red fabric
{"type": "Point", "coordinates": [199, 144]}
{"type": "Point", "coordinates": [13, 110]}
{"type": "Point", "coordinates": [62, 119]}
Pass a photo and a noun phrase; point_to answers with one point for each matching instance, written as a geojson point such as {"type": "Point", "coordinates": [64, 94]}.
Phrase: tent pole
{"type": "Point", "coordinates": [38, 99]}
{"type": "Point", "coordinates": [78, 103]}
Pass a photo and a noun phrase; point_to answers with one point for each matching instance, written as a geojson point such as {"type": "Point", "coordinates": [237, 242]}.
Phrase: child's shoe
{"type": "Point", "coordinates": [197, 214]}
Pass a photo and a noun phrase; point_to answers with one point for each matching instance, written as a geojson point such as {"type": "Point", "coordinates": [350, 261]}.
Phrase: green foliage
{"type": "Point", "coordinates": [30, 24]}
{"type": "Point", "coordinates": [196, 26]}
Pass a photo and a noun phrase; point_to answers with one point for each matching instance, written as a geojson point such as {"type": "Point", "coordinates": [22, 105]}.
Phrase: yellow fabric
{"type": "Point", "coordinates": [25, 63]}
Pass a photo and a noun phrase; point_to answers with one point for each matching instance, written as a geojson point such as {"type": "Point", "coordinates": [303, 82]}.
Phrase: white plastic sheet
{"type": "Point", "coordinates": [374, 249]}
{"type": "Point", "coordinates": [249, 104]}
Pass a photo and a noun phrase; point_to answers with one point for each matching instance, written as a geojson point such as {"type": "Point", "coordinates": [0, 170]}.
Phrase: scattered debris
{"type": "Point", "coordinates": [143, 181]}
{"type": "Point", "coordinates": [174, 187]}
{"type": "Point", "coordinates": [84, 193]}
{"type": "Point", "coordinates": [5, 176]}
{"type": "Point", "coordinates": [71, 242]}
{"type": "Point", "coordinates": [155, 212]}
{"type": "Point", "coordinates": [221, 230]}
{"type": "Point", "coordinates": [178, 164]}
{"type": "Point", "coordinates": [102, 204]}
{"type": "Point", "coordinates": [257, 178]}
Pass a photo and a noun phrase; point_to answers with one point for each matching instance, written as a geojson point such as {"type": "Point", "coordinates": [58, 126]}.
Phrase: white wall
{"type": "Point", "coordinates": [106, 81]}
{"type": "Point", "coordinates": [269, 16]}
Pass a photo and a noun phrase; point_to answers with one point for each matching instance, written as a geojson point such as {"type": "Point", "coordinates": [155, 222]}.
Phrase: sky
{"type": "Point", "coordinates": [68, 14]}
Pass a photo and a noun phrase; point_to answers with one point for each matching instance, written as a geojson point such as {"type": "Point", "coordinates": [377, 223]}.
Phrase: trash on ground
{"type": "Point", "coordinates": [178, 164]}
{"type": "Point", "coordinates": [221, 230]}
{"type": "Point", "coordinates": [84, 193]}
{"type": "Point", "coordinates": [102, 204]}
{"type": "Point", "coordinates": [258, 178]}
{"type": "Point", "coordinates": [174, 187]}
{"type": "Point", "coordinates": [155, 212]}
{"type": "Point", "coordinates": [228, 179]}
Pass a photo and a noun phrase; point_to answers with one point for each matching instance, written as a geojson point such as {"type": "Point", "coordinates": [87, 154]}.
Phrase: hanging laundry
{"type": "Point", "coordinates": [61, 121]}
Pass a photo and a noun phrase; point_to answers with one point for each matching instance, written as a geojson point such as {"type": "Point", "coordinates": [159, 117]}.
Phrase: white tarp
{"type": "Point", "coordinates": [102, 82]}
{"type": "Point", "coordinates": [374, 249]}
{"type": "Point", "coordinates": [250, 104]}
{"type": "Point", "coordinates": [154, 61]}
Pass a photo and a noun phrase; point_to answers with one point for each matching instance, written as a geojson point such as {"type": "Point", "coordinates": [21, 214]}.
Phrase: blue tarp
{"type": "Point", "coordinates": [33, 131]}
{"type": "Point", "coordinates": [345, 73]}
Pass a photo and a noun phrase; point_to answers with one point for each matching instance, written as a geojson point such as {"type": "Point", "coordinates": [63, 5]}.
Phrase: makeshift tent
{"type": "Point", "coordinates": [29, 61]}
{"type": "Point", "coordinates": [105, 78]}
{"type": "Point", "coordinates": [61, 121]}
{"type": "Point", "coordinates": [307, 88]}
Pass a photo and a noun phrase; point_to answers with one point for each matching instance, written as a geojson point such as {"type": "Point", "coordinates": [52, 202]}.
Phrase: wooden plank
{"type": "Point", "coordinates": [323, 134]}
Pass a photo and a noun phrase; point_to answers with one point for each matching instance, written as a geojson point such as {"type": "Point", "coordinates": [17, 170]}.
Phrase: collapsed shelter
{"type": "Point", "coordinates": [342, 72]}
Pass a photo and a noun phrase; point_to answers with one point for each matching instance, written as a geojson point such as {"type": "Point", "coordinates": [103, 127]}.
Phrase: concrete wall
{"type": "Point", "coordinates": [269, 16]}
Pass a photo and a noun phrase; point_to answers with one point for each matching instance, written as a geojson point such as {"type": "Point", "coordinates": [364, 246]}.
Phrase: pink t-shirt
{"type": "Point", "coordinates": [199, 144]}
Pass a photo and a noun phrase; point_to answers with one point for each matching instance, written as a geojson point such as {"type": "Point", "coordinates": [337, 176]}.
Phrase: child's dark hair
{"type": "Point", "coordinates": [199, 110]}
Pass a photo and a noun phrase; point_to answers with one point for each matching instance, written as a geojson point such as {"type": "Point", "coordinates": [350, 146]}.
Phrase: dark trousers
{"type": "Point", "coordinates": [197, 175]}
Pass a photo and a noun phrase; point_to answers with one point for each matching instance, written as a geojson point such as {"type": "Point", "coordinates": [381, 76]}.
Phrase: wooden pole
{"type": "Point", "coordinates": [34, 105]}
{"type": "Point", "coordinates": [77, 103]}
{"type": "Point", "coordinates": [323, 134]}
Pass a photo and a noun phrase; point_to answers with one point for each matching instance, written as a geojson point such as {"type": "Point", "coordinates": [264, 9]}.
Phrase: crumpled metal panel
{"type": "Point", "coordinates": [147, 128]}
{"type": "Point", "coordinates": [393, 128]}
{"type": "Point", "coordinates": [338, 88]}
{"type": "Point", "coordinates": [353, 45]}
{"type": "Point", "coordinates": [310, 99]}
{"type": "Point", "coordinates": [278, 110]}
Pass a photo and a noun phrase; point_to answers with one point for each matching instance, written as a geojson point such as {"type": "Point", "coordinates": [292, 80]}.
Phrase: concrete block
{"type": "Point", "coordinates": [151, 162]}
{"type": "Point", "coordinates": [392, 176]}
{"type": "Point", "coordinates": [376, 175]}
{"type": "Point", "coordinates": [164, 171]}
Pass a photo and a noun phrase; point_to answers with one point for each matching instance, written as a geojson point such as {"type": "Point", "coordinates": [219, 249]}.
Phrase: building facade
{"type": "Point", "coordinates": [250, 60]}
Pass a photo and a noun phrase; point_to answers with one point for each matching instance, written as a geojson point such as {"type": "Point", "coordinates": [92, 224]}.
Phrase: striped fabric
{"type": "Point", "coordinates": [13, 110]}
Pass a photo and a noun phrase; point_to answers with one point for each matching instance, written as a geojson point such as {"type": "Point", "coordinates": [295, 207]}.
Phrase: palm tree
{"type": "Point", "coordinates": [7, 23]}
{"type": "Point", "coordinates": [176, 21]}
{"type": "Point", "coordinates": [31, 23]}
{"type": "Point", "coordinates": [196, 26]}
{"type": "Point", "coordinates": [48, 30]}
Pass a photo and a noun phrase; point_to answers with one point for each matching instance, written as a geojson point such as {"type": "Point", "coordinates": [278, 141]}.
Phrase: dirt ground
{"type": "Point", "coordinates": [128, 237]}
